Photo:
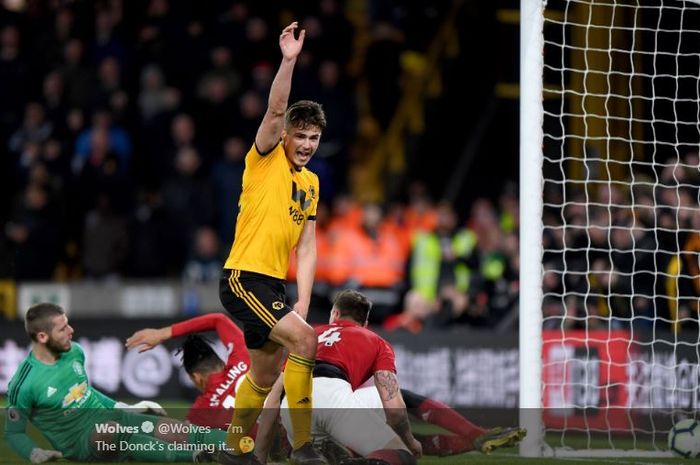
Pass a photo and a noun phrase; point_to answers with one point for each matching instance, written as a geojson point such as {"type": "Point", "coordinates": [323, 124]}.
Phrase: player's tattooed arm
{"type": "Point", "coordinates": [387, 385]}
{"type": "Point", "coordinates": [395, 409]}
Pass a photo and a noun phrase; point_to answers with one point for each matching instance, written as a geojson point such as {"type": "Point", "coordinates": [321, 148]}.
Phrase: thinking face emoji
{"type": "Point", "coordinates": [246, 444]}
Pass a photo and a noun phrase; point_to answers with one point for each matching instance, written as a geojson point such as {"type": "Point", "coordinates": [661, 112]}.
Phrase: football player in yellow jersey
{"type": "Point", "coordinates": [277, 214]}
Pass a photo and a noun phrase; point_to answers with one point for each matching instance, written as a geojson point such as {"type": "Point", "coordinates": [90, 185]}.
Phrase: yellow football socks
{"type": "Point", "coordinates": [250, 399]}
{"type": "Point", "coordinates": [297, 385]}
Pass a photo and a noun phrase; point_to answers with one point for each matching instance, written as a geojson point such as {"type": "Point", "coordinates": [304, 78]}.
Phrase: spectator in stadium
{"type": "Point", "coordinates": [149, 236]}
{"type": "Point", "coordinates": [690, 282]}
{"type": "Point", "coordinates": [13, 74]}
{"type": "Point", "coordinates": [439, 275]}
{"type": "Point", "coordinates": [109, 91]}
{"type": "Point", "coordinates": [51, 390]}
{"type": "Point", "coordinates": [227, 178]}
{"type": "Point", "coordinates": [204, 264]}
{"type": "Point", "coordinates": [35, 129]}
{"type": "Point", "coordinates": [78, 77]}
{"type": "Point", "coordinates": [155, 97]}
{"type": "Point", "coordinates": [490, 295]}
{"type": "Point", "coordinates": [105, 241]}
{"type": "Point", "coordinates": [34, 230]}
{"type": "Point", "coordinates": [54, 104]}
{"type": "Point", "coordinates": [348, 356]}
{"type": "Point", "coordinates": [273, 219]}
{"type": "Point", "coordinates": [374, 257]}
{"type": "Point", "coordinates": [188, 200]}
{"type": "Point", "coordinates": [421, 214]}
{"type": "Point", "coordinates": [118, 140]}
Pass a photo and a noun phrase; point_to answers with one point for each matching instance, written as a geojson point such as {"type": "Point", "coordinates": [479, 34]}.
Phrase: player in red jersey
{"type": "Point", "coordinates": [217, 380]}
{"type": "Point", "coordinates": [347, 356]}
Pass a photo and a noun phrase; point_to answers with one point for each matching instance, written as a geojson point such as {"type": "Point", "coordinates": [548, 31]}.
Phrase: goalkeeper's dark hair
{"type": "Point", "coordinates": [198, 355]}
{"type": "Point", "coordinates": [39, 318]}
{"type": "Point", "coordinates": [352, 304]}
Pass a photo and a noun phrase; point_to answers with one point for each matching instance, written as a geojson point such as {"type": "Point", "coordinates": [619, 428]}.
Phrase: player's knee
{"type": "Point", "coordinates": [266, 379]}
{"type": "Point", "coordinates": [305, 343]}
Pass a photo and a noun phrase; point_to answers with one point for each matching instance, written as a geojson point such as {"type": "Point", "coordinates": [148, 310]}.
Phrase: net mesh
{"type": "Point", "coordinates": [621, 218]}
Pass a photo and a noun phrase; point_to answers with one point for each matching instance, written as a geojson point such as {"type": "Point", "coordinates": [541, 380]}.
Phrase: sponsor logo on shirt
{"type": "Point", "coordinates": [75, 394]}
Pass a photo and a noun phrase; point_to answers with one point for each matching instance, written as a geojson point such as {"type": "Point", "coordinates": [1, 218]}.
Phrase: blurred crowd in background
{"type": "Point", "coordinates": [620, 256]}
{"type": "Point", "coordinates": [125, 137]}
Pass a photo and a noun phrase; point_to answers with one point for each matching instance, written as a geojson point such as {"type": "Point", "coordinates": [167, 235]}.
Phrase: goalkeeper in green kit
{"type": "Point", "coordinates": [50, 389]}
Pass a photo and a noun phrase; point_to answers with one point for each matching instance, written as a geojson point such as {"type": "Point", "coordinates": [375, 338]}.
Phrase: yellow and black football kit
{"type": "Point", "coordinates": [276, 202]}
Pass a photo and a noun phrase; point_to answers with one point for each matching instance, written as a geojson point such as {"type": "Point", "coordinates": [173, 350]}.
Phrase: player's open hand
{"type": "Point", "coordinates": [290, 45]}
{"type": "Point", "coordinates": [145, 339]}
{"type": "Point", "coordinates": [44, 455]}
{"type": "Point", "coordinates": [143, 406]}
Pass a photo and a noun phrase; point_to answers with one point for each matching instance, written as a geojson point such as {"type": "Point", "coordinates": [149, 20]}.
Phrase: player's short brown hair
{"type": "Point", "coordinates": [305, 114]}
{"type": "Point", "coordinates": [353, 304]}
{"type": "Point", "coordinates": [39, 318]}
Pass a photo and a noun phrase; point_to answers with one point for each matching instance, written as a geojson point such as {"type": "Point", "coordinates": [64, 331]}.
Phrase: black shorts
{"type": "Point", "coordinates": [256, 300]}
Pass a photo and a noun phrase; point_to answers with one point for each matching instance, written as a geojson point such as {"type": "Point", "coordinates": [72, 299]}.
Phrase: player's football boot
{"type": "Point", "coordinates": [227, 458]}
{"type": "Point", "coordinates": [203, 456]}
{"type": "Point", "coordinates": [499, 437]}
{"type": "Point", "coordinates": [363, 461]}
{"type": "Point", "coordinates": [307, 455]}
{"type": "Point", "coordinates": [333, 451]}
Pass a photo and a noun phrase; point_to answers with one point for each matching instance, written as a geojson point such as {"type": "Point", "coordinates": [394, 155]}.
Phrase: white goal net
{"type": "Point", "coordinates": [619, 182]}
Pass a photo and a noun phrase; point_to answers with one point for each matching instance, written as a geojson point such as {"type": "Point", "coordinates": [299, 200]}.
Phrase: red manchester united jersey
{"type": "Point", "coordinates": [213, 406]}
{"type": "Point", "coordinates": [355, 349]}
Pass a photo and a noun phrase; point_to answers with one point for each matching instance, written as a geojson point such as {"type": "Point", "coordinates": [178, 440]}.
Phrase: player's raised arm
{"type": "Point", "coordinates": [270, 129]}
{"type": "Point", "coordinates": [228, 332]}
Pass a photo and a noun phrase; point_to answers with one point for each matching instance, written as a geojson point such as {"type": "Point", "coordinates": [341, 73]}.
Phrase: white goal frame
{"type": "Point", "coordinates": [531, 250]}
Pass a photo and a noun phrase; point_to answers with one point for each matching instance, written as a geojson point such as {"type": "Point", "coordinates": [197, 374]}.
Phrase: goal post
{"type": "Point", "coordinates": [531, 183]}
{"type": "Point", "coordinates": [609, 224]}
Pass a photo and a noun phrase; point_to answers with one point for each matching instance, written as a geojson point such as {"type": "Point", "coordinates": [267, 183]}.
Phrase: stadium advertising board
{"type": "Point", "coordinates": [471, 371]}
{"type": "Point", "coordinates": [462, 368]}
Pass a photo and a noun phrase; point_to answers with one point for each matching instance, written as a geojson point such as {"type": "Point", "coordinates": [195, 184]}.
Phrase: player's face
{"type": "Point", "coordinates": [199, 380]}
{"type": "Point", "coordinates": [300, 144]}
{"type": "Point", "coordinates": [59, 338]}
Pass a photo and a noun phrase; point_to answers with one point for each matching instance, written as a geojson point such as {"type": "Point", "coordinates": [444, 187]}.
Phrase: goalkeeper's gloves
{"type": "Point", "coordinates": [44, 455]}
{"type": "Point", "coordinates": [143, 406]}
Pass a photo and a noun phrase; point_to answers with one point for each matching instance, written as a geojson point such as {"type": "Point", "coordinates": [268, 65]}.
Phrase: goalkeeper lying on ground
{"type": "Point", "coordinates": [51, 390]}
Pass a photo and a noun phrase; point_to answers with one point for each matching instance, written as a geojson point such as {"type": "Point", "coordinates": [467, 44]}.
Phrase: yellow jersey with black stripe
{"type": "Point", "coordinates": [276, 202]}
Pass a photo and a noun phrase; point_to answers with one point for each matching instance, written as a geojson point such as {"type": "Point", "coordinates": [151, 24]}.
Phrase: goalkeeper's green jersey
{"type": "Point", "coordinates": [57, 399]}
